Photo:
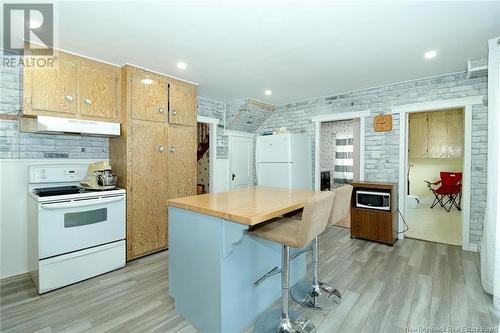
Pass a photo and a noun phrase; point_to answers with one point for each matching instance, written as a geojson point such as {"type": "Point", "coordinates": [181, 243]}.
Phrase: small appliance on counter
{"type": "Point", "coordinates": [99, 177]}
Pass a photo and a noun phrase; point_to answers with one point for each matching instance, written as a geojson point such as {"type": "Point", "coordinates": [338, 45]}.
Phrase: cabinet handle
{"type": "Point", "coordinates": [68, 98]}
{"type": "Point", "coordinates": [160, 110]}
{"type": "Point", "coordinates": [161, 149]}
{"type": "Point", "coordinates": [174, 113]}
{"type": "Point", "coordinates": [172, 149]}
{"type": "Point", "coordinates": [87, 101]}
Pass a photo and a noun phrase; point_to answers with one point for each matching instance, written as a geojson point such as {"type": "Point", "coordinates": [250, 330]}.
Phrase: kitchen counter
{"type": "Point", "coordinates": [248, 206]}
{"type": "Point", "coordinates": [213, 262]}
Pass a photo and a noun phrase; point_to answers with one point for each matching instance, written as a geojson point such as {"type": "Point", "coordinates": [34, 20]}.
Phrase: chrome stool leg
{"type": "Point", "coordinates": [316, 295]}
{"type": "Point", "coordinates": [283, 320]}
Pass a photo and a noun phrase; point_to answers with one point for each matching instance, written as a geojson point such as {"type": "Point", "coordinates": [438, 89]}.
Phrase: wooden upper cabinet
{"type": "Point", "coordinates": [437, 140]}
{"type": "Point", "coordinates": [417, 145]}
{"type": "Point", "coordinates": [455, 134]}
{"type": "Point", "coordinates": [438, 134]}
{"type": "Point", "coordinates": [52, 91]}
{"type": "Point", "coordinates": [149, 96]}
{"type": "Point", "coordinates": [98, 91]}
{"type": "Point", "coordinates": [76, 88]}
{"type": "Point", "coordinates": [147, 202]}
{"type": "Point", "coordinates": [182, 108]}
{"type": "Point", "coordinates": [181, 161]}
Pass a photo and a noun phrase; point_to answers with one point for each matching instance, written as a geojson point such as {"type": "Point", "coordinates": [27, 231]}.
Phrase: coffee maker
{"type": "Point", "coordinates": [99, 177]}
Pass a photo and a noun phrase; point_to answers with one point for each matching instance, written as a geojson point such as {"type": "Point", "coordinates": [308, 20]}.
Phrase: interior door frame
{"type": "Point", "coordinates": [318, 120]}
{"type": "Point", "coordinates": [231, 134]}
{"type": "Point", "coordinates": [212, 146]}
{"type": "Point", "coordinates": [466, 104]}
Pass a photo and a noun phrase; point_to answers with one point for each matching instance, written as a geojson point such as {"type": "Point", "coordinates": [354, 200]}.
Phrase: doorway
{"type": "Point", "coordinates": [210, 135]}
{"type": "Point", "coordinates": [203, 157]}
{"type": "Point", "coordinates": [340, 144]}
{"type": "Point", "coordinates": [435, 144]}
{"type": "Point", "coordinates": [346, 166]}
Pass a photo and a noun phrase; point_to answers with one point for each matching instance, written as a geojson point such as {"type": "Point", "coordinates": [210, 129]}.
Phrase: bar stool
{"type": "Point", "coordinates": [293, 233]}
{"type": "Point", "coordinates": [319, 295]}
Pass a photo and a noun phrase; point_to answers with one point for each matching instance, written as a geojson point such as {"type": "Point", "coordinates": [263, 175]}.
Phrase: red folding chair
{"type": "Point", "coordinates": [450, 187]}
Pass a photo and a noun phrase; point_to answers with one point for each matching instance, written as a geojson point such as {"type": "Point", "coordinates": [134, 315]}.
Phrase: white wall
{"type": "Point", "coordinates": [13, 212]}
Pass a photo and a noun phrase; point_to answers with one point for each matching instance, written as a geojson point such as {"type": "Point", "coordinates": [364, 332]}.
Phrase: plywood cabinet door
{"type": "Point", "coordinates": [98, 91]}
{"type": "Point", "coordinates": [418, 135]}
{"type": "Point", "coordinates": [52, 91]}
{"type": "Point", "coordinates": [181, 161]}
{"type": "Point", "coordinates": [437, 141]}
{"type": "Point", "coordinates": [182, 109]}
{"type": "Point", "coordinates": [149, 97]}
{"type": "Point", "coordinates": [147, 209]}
{"type": "Point", "coordinates": [455, 134]}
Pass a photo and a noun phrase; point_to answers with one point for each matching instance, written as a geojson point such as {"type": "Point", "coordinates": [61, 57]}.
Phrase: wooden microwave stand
{"type": "Point", "coordinates": [372, 224]}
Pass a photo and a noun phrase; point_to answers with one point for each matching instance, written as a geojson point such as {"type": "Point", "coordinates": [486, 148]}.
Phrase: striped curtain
{"type": "Point", "coordinates": [343, 163]}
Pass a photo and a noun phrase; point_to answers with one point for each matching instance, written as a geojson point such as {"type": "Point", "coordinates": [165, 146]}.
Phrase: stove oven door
{"type": "Point", "coordinates": [72, 225]}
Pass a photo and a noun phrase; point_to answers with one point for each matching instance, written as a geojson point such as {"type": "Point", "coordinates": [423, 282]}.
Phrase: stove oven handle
{"type": "Point", "coordinates": [82, 203]}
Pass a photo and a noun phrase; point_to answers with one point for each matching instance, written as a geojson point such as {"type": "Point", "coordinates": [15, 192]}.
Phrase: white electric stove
{"type": "Point", "coordinates": [74, 234]}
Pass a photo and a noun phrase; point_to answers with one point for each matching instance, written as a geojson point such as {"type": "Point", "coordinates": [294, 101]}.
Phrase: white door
{"type": "Point", "coordinates": [275, 174]}
{"type": "Point", "coordinates": [240, 161]}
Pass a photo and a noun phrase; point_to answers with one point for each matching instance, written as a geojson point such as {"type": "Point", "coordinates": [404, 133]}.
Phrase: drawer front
{"type": "Point", "coordinates": [63, 270]}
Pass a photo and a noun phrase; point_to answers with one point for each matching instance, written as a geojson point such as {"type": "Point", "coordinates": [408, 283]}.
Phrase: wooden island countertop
{"type": "Point", "coordinates": [248, 206]}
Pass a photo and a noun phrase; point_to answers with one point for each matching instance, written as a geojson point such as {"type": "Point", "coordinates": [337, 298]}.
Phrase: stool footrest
{"type": "Point", "coordinates": [269, 274]}
{"type": "Point", "coordinates": [302, 251]}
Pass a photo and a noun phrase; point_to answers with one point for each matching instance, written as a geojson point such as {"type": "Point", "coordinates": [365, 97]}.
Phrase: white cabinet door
{"type": "Point", "coordinates": [240, 162]}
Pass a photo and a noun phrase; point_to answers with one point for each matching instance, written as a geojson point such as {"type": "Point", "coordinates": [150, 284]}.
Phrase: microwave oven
{"type": "Point", "coordinates": [373, 200]}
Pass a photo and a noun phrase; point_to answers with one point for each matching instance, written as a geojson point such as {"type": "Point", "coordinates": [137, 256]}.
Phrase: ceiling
{"type": "Point", "coordinates": [298, 50]}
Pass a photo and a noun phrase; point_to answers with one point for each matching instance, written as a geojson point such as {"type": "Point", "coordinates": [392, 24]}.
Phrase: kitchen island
{"type": "Point", "coordinates": [213, 262]}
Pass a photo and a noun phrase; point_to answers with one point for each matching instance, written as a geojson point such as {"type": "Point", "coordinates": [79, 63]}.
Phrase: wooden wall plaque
{"type": "Point", "coordinates": [382, 123]}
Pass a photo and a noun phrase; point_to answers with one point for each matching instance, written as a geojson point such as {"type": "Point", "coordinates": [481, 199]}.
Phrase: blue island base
{"type": "Point", "coordinates": [213, 264]}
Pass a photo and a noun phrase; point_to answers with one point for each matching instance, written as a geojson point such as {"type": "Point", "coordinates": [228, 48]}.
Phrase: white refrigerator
{"type": "Point", "coordinates": [284, 161]}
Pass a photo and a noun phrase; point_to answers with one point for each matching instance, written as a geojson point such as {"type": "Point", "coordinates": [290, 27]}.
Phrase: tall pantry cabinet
{"type": "Point", "coordinates": [155, 157]}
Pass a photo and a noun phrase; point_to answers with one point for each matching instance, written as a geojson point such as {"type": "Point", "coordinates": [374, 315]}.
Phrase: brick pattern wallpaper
{"type": "Point", "coordinates": [382, 148]}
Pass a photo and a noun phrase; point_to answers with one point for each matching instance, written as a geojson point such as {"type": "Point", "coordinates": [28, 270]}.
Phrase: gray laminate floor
{"type": "Point", "coordinates": [415, 285]}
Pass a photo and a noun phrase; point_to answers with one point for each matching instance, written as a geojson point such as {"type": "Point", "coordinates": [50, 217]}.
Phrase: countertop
{"type": "Point", "coordinates": [248, 206]}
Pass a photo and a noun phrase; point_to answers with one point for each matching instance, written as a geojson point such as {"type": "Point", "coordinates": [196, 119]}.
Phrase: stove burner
{"type": "Point", "coordinates": [58, 190]}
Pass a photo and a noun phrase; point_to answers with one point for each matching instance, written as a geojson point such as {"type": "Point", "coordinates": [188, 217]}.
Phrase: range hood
{"type": "Point", "coordinates": [56, 125]}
